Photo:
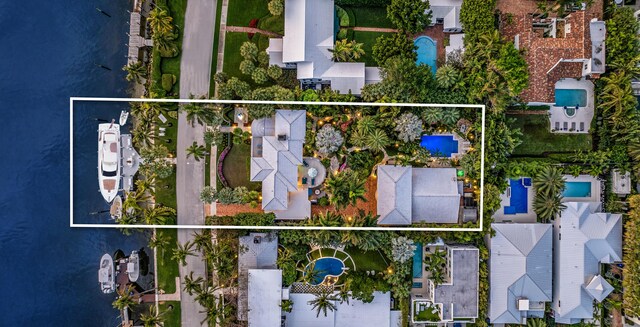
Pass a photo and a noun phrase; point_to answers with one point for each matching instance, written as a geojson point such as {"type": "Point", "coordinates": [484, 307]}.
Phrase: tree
{"type": "Point", "coordinates": [155, 161]}
{"type": "Point", "coordinates": [208, 194]}
{"type": "Point", "coordinates": [409, 16]}
{"type": "Point", "coordinates": [160, 21]}
{"type": "Point", "coordinates": [344, 50]}
{"type": "Point", "coordinates": [181, 252]}
{"type": "Point", "coordinates": [193, 285]}
{"type": "Point", "coordinates": [328, 139]}
{"type": "Point", "coordinates": [276, 7]}
{"type": "Point", "coordinates": [213, 136]}
{"type": "Point", "coordinates": [402, 249]}
{"type": "Point", "coordinates": [448, 76]}
{"type": "Point", "coordinates": [548, 206]}
{"type": "Point", "coordinates": [366, 125]}
{"type": "Point", "coordinates": [160, 215]}
{"type": "Point", "coordinates": [166, 44]}
{"type": "Point", "coordinates": [324, 301]}
{"type": "Point", "coordinates": [249, 51]}
{"type": "Point", "coordinates": [378, 140]}
{"type": "Point", "coordinates": [203, 114]}
{"type": "Point", "coordinates": [124, 300]}
{"type": "Point", "coordinates": [152, 318]}
{"type": "Point", "coordinates": [247, 67]}
{"type": "Point", "coordinates": [136, 71]}
{"type": "Point", "coordinates": [196, 151]}
{"type": "Point", "coordinates": [274, 72]}
{"type": "Point", "coordinates": [432, 115]}
{"type": "Point", "coordinates": [392, 45]}
{"type": "Point", "coordinates": [450, 116]}
{"type": "Point", "coordinates": [159, 240]}
{"type": "Point", "coordinates": [259, 75]}
{"type": "Point", "coordinates": [434, 264]}
{"type": "Point", "coordinates": [531, 322]}
{"type": "Point", "coordinates": [549, 181]}
{"type": "Point", "coordinates": [345, 188]}
{"type": "Point", "coordinates": [409, 127]}
{"type": "Point", "coordinates": [477, 17]}
{"type": "Point", "coordinates": [622, 41]}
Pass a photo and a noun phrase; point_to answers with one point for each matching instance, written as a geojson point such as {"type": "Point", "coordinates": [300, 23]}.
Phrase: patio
{"type": "Point", "coordinates": [562, 121]}
{"type": "Point", "coordinates": [312, 173]}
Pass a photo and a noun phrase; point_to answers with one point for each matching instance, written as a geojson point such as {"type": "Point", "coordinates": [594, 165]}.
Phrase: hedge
{"type": "Point", "coordinates": [363, 3]}
{"type": "Point", "coordinates": [167, 81]}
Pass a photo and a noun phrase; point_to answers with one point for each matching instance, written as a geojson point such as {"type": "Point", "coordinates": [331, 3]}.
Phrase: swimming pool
{"type": "Point", "coordinates": [519, 196]}
{"type": "Point", "coordinates": [439, 145]}
{"type": "Point", "coordinates": [426, 52]}
{"type": "Point", "coordinates": [571, 98]}
{"type": "Point", "coordinates": [417, 262]}
{"type": "Point", "coordinates": [324, 267]}
{"type": "Point", "coordinates": [577, 190]}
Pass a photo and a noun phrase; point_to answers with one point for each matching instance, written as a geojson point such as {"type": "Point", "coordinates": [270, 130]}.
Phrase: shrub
{"type": "Point", "coordinates": [343, 17]}
{"type": "Point", "coordinates": [409, 127]}
{"type": "Point", "coordinates": [328, 139]}
{"type": "Point", "coordinates": [274, 72]}
{"type": "Point", "coordinates": [208, 194]}
{"type": "Point", "coordinates": [276, 7]}
{"type": "Point", "coordinates": [167, 81]}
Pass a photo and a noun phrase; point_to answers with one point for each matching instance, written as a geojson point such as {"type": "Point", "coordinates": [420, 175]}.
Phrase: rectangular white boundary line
{"type": "Point", "coordinates": [355, 104]}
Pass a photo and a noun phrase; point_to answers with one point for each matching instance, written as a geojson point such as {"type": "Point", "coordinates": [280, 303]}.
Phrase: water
{"type": "Point", "coordinates": [440, 145]}
{"type": "Point", "coordinates": [518, 201]}
{"type": "Point", "coordinates": [417, 262]}
{"type": "Point", "coordinates": [571, 98]}
{"type": "Point", "coordinates": [427, 52]}
{"type": "Point", "coordinates": [327, 266]}
{"type": "Point", "coordinates": [50, 48]}
{"type": "Point", "coordinates": [577, 190]}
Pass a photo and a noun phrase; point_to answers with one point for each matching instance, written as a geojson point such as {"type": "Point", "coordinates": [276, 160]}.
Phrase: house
{"type": "Point", "coordinates": [309, 34]}
{"type": "Point", "coordinates": [257, 251]}
{"type": "Point", "coordinates": [276, 153]}
{"type": "Point", "coordinates": [456, 45]}
{"type": "Point", "coordinates": [456, 298]}
{"type": "Point", "coordinates": [584, 237]}
{"type": "Point", "coordinates": [265, 297]}
{"type": "Point", "coordinates": [520, 268]}
{"type": "Point", "coordinates": [378, 313]}
{"type": "Point", "coordinates": [447, 13]}
{"type": "Point", "coordinates": [621, 182]}
{"type": "Point", "coordinates": [407, 195]}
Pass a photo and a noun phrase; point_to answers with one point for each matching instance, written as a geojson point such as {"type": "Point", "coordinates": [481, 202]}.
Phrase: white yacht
{"type": "Point", "coordinates": [116, 208]}
{"type": "Point", "coordinates": [124, 115]}
{"type": "Point", "coordinates": [133, 266]}
{"type": "Point", "coordinates": [109, 160]}
{"type": "Point", "coordinates": [107, 274]}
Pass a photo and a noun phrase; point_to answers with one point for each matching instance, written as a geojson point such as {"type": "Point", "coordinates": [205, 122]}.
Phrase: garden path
{"type": "Point", "coordinates": [372, 29]}
{"type": "Point", "coordinates": [242, 29]}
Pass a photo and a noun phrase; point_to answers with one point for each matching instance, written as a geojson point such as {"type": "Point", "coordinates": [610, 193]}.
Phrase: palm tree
{"type": "Point", "coordinates": [159, 240]}
{"type": "Point", "coordinates": [549, 181]}
{"type": "Point", "coordinates": [202, 240]}
{"type": "Point", "coordinates": [160, 21]}
{"type": "Point", "coordinates": [165, 44]}
{"type": "Point", "coordinates": [159, 215]}
{"type": "Point", "coordinates": [310, 274]}
{"type": "Point", "coordinates": [548, 206]}
{"type": "Point", "coordinates": [536, 323]}
{"type": "Point", "coordinates": [152, 318]}
{"type": "Point", "coordinates": [358, 139]}
{"type": "Point", "coordinates": [447, 76]}
{"type": "Point", "coordinates": [450, 116]}
{"type": "Point", "coordinates": [324, 301]}
{"type": "Point", "coordinates": [345, 188]}
{"type": "Point", "coordinates": [434, 263]}
{"type": "Point", "coordinates": [378, 140]}
{"type": "Point", "coordinates": [135, 71]}
{"type": "Point", "coordinates": [432, 115]}
{"type": "Point", "coordinates": [181, 252]}
{"type": "Point", "coordinates": [203, 114]}
{"type": "Point", "coordinates": [125, 300]}
{"type": "Point", "coordinates": [366, 125]}
{"type": "Point", "coordinates": [344, 50]}
{"type": "Point", "coordinates": [197, 151]}
{"type": "Point", "coordinates": [193, 285]}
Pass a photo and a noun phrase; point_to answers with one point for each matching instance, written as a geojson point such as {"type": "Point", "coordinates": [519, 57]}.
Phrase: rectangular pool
{"type": "Point", "coordinates": [518, 201]}
{"type": "Point", "coordinates": [417, 261]}
{"type": "Point", "coordinates": [571, 98]}
{"type": "Point", "coordinates": [577, 190]}
{"type": "Point", "coordinates": [439, 145]}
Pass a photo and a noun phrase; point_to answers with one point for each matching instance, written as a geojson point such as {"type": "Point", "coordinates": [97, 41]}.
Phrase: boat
{"type": "Point", "coordinates": [133, 266]}
{"type": "Point", "coordinates": [124, 115]}
{"type": "Point", "coordinates": [107, 274]}
{"type": "Point", "coordinates": [116, 208]}
{"type": "Point", "coordinates": [109, 160]}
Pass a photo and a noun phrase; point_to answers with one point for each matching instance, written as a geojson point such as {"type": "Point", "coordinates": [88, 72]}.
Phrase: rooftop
{"type": "Point", "coordinates": [459, 299]}
{"type": "Point", "coordinates": [258, 251]}
{"type": "Point", "coordinates": [265, 297]}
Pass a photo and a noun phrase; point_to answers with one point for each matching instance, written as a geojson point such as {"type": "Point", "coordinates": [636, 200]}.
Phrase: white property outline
{"type": "Point", "coordinates": [361, 104]}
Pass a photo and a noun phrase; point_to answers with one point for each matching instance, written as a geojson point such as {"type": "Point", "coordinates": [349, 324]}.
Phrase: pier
{"type": "Point", "coordinates": [130, 161]}
{"type": "Point", "coordinates": [137, 32]}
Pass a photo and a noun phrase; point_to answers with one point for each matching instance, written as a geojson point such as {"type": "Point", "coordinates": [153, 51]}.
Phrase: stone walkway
{"type": "Point", "coordinates": [371, 29]}
{"type": "Point", "coordinates": [221, 37]}
{"type": "Point", "coordinates": [250, 30]}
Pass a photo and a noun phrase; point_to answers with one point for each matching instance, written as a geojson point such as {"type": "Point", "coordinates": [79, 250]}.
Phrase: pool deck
{"type": "Point", "coordinates": [580, 123]}
{"type": "Point", "coordinates": [596, 188]}
{"type": "Point", "coordinates": [521, 218]}
{"type": "Point", "coordinates": [436, 33]}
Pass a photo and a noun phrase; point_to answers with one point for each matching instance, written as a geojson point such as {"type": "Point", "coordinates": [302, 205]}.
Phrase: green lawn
{"type": "Point", "coordinates": [241, 12]}
{"type": "Point", "coordinates": [172, 316]}
{"type": "Point", "coordinates": [170, 133]}
{"type": "Point", "coordinates": [538, 140]}
{"type": "Point", "coordinates": [370, 260]}
{"type": "Point", "coordinates": [370, 16]}
{"type": "Point", "coordinates": [368, 39]}
{"type": "Point", "coordinates": [232, 59]}
{"type": "Point", "coordinates": [177, 8]}
{"type": "Point", "coordinates": [167, 267]}
{"type": "Point", "coordinates": [214, 59]}
{"type": "Point", "coordinates": [235, 167]}
{"type": "Point", "coordinates": [272, 23]}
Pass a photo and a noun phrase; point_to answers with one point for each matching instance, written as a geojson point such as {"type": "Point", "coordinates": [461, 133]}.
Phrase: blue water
{"type": "Point", "coordinates": [327, 266]}
{"type": "Point", "coordinates": [519, 198]}
{"type": "Point", "coordinates": [577, 190]}
{"type": "Point", "coordinates": [49, 52]}
{"type": "Point", "coordinates": [440, 145]}
{"type": "Point", "coordinates": [417, 262]}
{"type": "Point", "coordinates": [571, 98]}
{"type": "Point", "coordinates": [427, 52]}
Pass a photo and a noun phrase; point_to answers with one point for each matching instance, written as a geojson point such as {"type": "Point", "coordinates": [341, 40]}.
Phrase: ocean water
{"type": "Point", "coordinates": [49, 51]}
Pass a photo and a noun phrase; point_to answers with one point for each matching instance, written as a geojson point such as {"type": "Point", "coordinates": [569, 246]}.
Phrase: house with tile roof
{"type": "Point", "coordinates": [520, 266]}
{"type": "Point", "coordinates": [407, 195]}
{"type": "Point", "coordinates": [309, 33]}
{"type": "Point", "coordinates": [584, 237]}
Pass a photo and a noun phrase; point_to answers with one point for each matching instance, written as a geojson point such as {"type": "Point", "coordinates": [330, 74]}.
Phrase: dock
{"type": "Point", "coordinates": [130, 162]}
{"type": "Point", "coordinates": [137, 32]}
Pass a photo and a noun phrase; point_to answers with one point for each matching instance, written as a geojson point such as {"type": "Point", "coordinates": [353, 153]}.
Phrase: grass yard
{"type": "Point", "coordinates": [236, 168]}
{"type": "Point", "coordinates": [368, 39]}
{"type": "Point", "coordinates": [177, 8]}
{"type": "Point", "coordinates": [232, 59]}
{"type": "Point", "coordinates": [370, 16]}
{"type": "Point", "coordinates": [171, 310]}
{"type": "Point", "coordinates": [167, 267]}
{"type": "Point", "coordinates": [241, 12]}
{"type": "Point", "coordinates": [272, 23]}
{"type": "Point", "coordinates": [214, 59]}
{"type": "Point", "coordinates": [538, 140]}
{"type": "Point", "coordinates": [370, 260]}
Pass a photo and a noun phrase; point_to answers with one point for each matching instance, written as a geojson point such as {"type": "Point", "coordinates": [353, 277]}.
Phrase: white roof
{"type": "Point", "coordinates": [265, 296]}
{"type": "Point", "coordinates": [621, 182]}
{"type": "Point", "coordinates": [259, 251]}
{"type": "Point", "coordinates": [355, 313]}
{"type": "Point", "coordinates": [394, 202]}
{"type": "Point", "coordinates": [584, 237]}
{"type": "Point", "coordinates": [456, 42]}
{"type": "Point", "coordinates": [521, 268]}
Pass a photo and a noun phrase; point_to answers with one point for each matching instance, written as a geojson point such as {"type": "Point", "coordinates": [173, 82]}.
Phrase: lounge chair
{"type": "Point", "coordinates": [304, 163]}
{"type": "Point", "coordinates": [313, 181]}
{"type": "Point", "coordinates": [304, 180]}
{"type": "Point", "coordinates": [582, 126]}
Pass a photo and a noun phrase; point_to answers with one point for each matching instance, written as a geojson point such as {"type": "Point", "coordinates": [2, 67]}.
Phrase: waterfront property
{"type": "Point", "coordinates": [309, 34]}
{"type": "Point", "coordinates": [517, 202]}
{"type": "Point", "coordinates": [584, 238]}
{"type": "Point", "coordinates": [259, 252]}
{"type": "Point", "coordinates": [407, 195]}
{"type": "Point", "coordinates": [521, 268]}
{"type": "Point", "coordinates": [584, 188]}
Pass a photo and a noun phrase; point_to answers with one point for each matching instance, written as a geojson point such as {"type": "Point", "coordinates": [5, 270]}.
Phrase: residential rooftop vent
{"type": "Point", "coordinates": [282, 137]}
{"type": "Point", "coordinates": [523, 304]}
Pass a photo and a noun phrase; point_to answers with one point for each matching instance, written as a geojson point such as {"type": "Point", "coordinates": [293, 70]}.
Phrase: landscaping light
{"type": "Point", "coordinates": [349, 218]}
{"type": "Point", "coordinates": [390, 271]}
{"type": "Point", "coordinates": [260, 197]}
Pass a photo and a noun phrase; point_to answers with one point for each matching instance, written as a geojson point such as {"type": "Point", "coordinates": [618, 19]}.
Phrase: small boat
{"type": "Point", "coordinates": [116, 208]}
{"type": "Point", "coordinates": [133, 266]}
{"type": "Point", "coordinates": [107, 274]}
{"type": "Point", "coordinates": [109, 160]}
{"type": "Point", "coordinates": [124, 115]}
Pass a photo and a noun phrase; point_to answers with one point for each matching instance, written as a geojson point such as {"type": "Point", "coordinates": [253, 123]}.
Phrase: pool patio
{"type": "Point", "coordinates": [580, 122]}
{"type": "Point", "coordinates": [507, 212]}
{"type": "Point", "coordinates": [463, 145]}
{"type": "Point", "coordinates": [596, 188]}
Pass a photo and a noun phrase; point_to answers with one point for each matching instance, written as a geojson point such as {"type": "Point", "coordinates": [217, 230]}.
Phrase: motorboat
{"type": "Point", "coordinates": [109, 160]}
{"type": "Point", "coordinates": [133, 266]}
{"type": "Point", "coordinates": [107, 274]}
{"type": "Point", "coordinates": [116, 208]}
{"type": "Point", "coordinates": [124, 115]}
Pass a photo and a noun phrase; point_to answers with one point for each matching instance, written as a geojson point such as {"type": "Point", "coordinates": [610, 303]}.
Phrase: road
{"type": "Point", "coordinates": [195, 75]}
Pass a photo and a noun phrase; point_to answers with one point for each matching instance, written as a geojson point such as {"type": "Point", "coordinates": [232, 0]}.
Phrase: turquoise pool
{"type": "Point", "coordinates": [417, 262]}
{"type": "Point", "coordinates": [571, 98]}
{"type": "Point", "coordinates": [577, 190]}
{"type": "Point", "coordinates": [324, 267]}
{"type": "Point", "coordinates": [426, 52]}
